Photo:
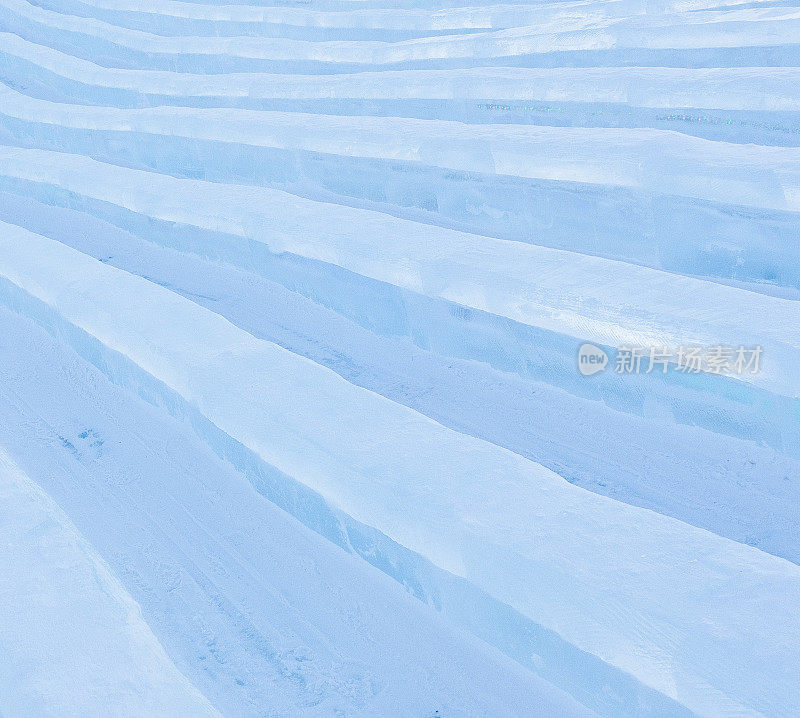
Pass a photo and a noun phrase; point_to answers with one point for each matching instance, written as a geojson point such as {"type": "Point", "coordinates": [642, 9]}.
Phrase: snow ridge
{"type": "Point", "coordinates": [343, 255]}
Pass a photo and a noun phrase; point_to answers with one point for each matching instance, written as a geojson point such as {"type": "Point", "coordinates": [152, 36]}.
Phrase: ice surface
{"type": "Point", "coordinates": [471, 508]}
{"type": "Point", "coordinates": [258, 612]}
{"type": "Point", "coordinates": [290, 417]}
{"type": "Point", "coordinates": [728, 88]}
{"type": "Point", "coordinates": [752, 176]}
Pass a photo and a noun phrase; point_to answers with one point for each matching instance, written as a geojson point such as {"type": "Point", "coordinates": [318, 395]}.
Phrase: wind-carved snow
{"type": "Point", "coordinates": [295, 294]}
{"type": "Point", "coordinates": [456, 501]}
{"type": "Point", "coordinates": [73, 639]}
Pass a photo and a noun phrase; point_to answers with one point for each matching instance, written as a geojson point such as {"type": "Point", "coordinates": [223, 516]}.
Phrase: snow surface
{"type": "Point", "coordinates": [73, 638]}
{"type": "Point", "coordinates": [290, 301]}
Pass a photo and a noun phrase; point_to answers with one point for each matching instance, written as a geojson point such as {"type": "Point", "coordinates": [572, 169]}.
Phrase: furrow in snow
{"type": "Point", "coordinates": [747, 492]}
{"type": "Point", "coordinates": [258, 610]}
{"type": "Point", "coordinates": [428, 488]}
{"type": "Point", "coordinates": [667, 34]}
{"type": "Point", "coordinates": [192, 18]}
{"type": "Point", "coordinates": [646, 160]}
{"type": "Point", "coordinates": [655, 198]}
{"type": "Point", "coordinates": [751, 89]}
{"type": "Point", "coordinates": [484, 17]}
{"type": "Point", "coordinates": [581, 296]}
{"type": "Point", "coordinates": [391, 296]}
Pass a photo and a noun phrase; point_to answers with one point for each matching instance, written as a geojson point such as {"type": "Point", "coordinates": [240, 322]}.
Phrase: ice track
{"type": "Point", "coordinates": [290, 302]}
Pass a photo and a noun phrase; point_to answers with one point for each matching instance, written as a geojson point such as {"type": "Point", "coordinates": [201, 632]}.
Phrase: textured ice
{"type": "Point", "coordinates": [290, 416]}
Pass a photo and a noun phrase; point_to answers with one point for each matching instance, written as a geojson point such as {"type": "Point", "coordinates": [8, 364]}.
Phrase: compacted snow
{"type": "Point", "coordinates": [291, 416]}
